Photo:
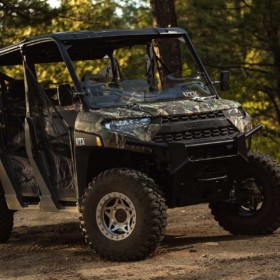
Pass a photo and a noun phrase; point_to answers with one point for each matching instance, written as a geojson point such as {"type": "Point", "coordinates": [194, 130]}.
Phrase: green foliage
{"type": "Point", "coordinates": [240, 35]}
{"type": "Point", "coordinates": [71, 16]}
{"type": "Point", "coordinates": [19, 19]}
{"type": "Point", "coordinates": [244, 37]}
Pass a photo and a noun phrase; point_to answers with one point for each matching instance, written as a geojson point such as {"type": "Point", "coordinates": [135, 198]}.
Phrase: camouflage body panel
{"type": "Point", "coordinates": [187, 107]}
{"type": "Point", "coordinates": [242, 124]}
{"type": "Point", "coordinates": [93, 121]}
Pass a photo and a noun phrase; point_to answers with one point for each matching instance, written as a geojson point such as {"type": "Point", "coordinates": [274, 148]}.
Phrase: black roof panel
{"type": "Point", "coordinates": [43, 48]}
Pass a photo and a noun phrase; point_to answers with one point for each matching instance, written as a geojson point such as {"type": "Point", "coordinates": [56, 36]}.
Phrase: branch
{"type": "Point", "coordinates": [271, 134]}
{"type": "Point", "coordinates": [246, 4]}
{"type": "Point", "coordinates": [237, 67]}
{"type": "Point", "coordinates": [271, 96]}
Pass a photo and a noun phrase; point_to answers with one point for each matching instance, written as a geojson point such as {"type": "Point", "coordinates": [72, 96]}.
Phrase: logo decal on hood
{"type": "Point", "coordinates": [80, 142]}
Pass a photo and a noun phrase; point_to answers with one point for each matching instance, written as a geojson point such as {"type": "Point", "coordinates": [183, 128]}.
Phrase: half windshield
{"type": "Point", "coordinates": [156, 70]}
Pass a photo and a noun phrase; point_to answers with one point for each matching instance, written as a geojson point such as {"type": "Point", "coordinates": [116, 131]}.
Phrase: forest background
{"type": "Point", "coordinates": [242, 36]}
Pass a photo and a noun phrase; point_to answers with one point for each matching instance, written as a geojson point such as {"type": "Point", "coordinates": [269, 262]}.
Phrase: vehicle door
{"type": "Point", "coordinates": [48, 131]}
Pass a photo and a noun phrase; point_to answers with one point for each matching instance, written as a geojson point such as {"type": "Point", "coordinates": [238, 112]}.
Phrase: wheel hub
{"type": "Point", "coordinates": [116, 216]}
{"type": "Point", "coordinates": [252, 197]}
{"type": "Point", "coordinates": [121, 216]}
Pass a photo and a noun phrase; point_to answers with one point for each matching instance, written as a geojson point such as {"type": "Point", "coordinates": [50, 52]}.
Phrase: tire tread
{"type": "Point", "coordinates": [151, 195]}
{"type": "Point", "coordinates": [271, 223]}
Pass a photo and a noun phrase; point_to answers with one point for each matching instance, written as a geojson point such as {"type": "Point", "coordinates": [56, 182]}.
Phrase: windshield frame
{"type": "Point", "coordinates": [200, 64]}
{"type": "Point", "coordinates": [82, 93]}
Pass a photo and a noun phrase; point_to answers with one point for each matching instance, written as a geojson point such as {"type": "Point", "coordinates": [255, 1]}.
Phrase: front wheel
{"type": "Point", "coordinates": [260, 211]}
{"type": "Point", "coordinates": [123, 215]}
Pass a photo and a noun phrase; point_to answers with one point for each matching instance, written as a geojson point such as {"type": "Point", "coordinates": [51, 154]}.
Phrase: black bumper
{"type": "Point", "coordinates": [203, 171]}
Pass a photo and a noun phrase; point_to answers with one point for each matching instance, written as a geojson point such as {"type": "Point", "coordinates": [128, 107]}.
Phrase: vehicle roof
{"type": "Point", "coordinates": [44, 47]}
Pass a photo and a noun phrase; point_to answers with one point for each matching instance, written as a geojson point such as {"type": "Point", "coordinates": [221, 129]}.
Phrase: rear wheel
{"type": "Point", "coordinates": [6, 219]}
{"type": "Point", "coordinates": [123, 215]}
{"type": "Point", "coordinates": [260, 211]}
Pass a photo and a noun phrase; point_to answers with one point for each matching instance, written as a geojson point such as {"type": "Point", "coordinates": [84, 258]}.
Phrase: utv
{"type": "Point", "coordinates": [103, 124]}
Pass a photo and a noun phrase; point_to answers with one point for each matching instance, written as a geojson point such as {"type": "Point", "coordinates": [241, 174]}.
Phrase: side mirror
{"type": "Point", "coordinates": [224, 80]}
{"type": "Point", "coordinates": [65, 96]}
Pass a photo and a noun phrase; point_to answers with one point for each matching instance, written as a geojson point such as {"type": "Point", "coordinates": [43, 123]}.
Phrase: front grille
{"type": "Point", "coordinates": [210, 152]}
{"type": "Point", "coordinates": [194, 127]}
{"type": "Point", "coordinates": [204, 128]}
{"type": "Point", "coordinates": [187, 118]}
{"type": "Point", "coordinates": [207, 133]}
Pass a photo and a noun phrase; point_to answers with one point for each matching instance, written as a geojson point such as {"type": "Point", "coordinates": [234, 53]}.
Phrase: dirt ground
{"type": "Point", "coordinates": [49, 246]}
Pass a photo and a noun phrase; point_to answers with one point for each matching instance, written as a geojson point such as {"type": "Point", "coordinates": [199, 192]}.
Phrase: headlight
{"type": "Point", "coordinates": [239, 118]}
{"type": "Point", "coordinates": [236, 113]}
{"type": "Point", "coordinates": [127, 125]}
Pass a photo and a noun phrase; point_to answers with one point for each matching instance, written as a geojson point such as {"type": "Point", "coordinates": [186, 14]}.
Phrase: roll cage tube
{"type": "Point", "coordinates": [150, 60]}
{"type": "Point", "coordinates": [70, 67]}
{"type": "Point", "coordinates": [115, 68]}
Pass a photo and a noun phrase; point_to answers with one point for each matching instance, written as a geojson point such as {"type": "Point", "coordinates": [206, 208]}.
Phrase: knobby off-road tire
{"type": "Point", "coordinates": [123, 215]}
{"type": "Point", "coordinates": [238, 219]}
{"type": "Point", "coordinates": [6, 219]}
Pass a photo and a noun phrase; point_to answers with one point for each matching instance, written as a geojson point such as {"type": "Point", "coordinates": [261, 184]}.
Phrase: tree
{"type": "Point", "coordinates": [17, 18]}
{"type": "Point", "coordinates": [243, 36]}
{"type": "Point", "coordinates": [163, 12]}
{"type": "Point", "coordinates": [164, 15]}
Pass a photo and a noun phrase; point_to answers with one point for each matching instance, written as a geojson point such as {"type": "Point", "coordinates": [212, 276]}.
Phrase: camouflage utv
{"type": "Point", "coordinates": [97, 122]}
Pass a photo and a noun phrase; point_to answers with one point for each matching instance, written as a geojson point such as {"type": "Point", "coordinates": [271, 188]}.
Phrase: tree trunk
{"type": "Point", "coordinates": [164, 15]}
{"type": "Point", "coordinates": [163, 12]}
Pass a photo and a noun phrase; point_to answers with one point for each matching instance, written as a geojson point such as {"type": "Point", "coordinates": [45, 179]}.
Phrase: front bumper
{"type": "Point", "coordinates": [203, 171]}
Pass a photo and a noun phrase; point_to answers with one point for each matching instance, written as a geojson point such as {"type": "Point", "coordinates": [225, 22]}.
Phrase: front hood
{"type": "Point", "coordinates": [93, 121]}
{"type": "Point", "coordinates": [178, 107]}
{"type": "Point", "coordinates": [187, 107]}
